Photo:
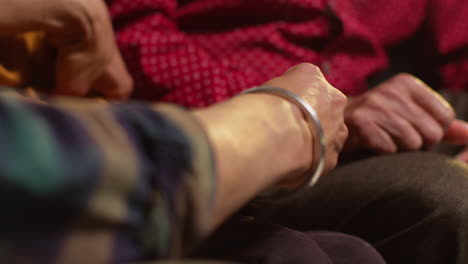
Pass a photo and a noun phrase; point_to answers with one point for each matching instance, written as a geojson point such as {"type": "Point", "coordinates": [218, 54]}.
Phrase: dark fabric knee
{"type": "Point", "coordinates": [262, 242]}
{"type": "Point", "coordinates": [346, 249]}
{"type": "Point", "coordinates": [413, 207]}
{"type": "Point", "coordinates": [427, 199]}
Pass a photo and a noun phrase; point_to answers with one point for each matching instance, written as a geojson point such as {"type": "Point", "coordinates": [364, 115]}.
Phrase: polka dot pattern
{"type": "Point", "coordinates": [199, 52]}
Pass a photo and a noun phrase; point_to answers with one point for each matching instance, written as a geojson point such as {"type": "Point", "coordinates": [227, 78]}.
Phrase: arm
{"type": "Point", "coordinates": [248, 162]}
{"type": "Point", "coordinates": [261, 140]}
{"type": "Point", "coordinates": [143, 177]}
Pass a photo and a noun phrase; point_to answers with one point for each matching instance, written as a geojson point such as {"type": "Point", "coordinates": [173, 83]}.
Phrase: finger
{"type": "Point", "coordinates": [457, 133]}
{"type": "Point", "coordinates": [304, 67]}
{"type": "Point", "coordinates": [75, 72]}
{"type": "Point", "coordinates": [402, 132]}
{"type": "Point", "coordinates": [463, 156]}
{"type": "Point", "coordinates": [374, 137]}
{"type": "Point", "coordinates": [115, 83]}
{"type": "Point", "coordinates": [430, 130]}
{"type": "Point", "coordinates": [431, 101]}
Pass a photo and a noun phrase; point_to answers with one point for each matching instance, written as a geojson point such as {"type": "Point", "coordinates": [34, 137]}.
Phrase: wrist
{"type": "Point", "coordinates": [259, 140]}
{"type": "Point", "coordinates": [279, 139]}
{"type": "Point", "coordinates": [286, 130]}
{"type": "Point", "coordinates": [309, 116]}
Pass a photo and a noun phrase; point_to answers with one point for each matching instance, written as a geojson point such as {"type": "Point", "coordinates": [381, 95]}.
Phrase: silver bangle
{"type": "Point", "coordinates": [312, 119]}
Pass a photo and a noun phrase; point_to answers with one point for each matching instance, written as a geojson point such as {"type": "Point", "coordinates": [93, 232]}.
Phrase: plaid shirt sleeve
{"type": "Point", "coordinates": [89, 182]}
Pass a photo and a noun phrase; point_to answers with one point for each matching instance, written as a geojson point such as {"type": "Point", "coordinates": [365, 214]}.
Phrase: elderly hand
{"type": "Point", "coordinates": [401, 114]}
{"type": "Point", "coordinates": [307, 81]}
{"type": "Point", "coordinates": [261, 140]}
{"type": "Point", "coordinates": [88, 60]}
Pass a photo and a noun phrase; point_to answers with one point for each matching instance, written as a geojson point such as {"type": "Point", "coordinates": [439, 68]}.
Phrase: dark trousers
{"type": "Point", "coordinates": [412, 207]}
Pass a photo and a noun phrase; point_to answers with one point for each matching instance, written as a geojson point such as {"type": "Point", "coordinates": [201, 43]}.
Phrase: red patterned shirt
{"type": "Point", "coordinates": [198, 52]}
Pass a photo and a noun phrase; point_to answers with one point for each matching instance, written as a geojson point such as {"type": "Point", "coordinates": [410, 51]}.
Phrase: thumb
{"type": "Point", "coordinates": [463, 156]}
{"type": "Point", "coordinates": [457, 133]}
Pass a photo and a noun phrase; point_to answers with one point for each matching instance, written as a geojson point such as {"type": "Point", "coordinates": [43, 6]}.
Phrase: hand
{"type": "Point", "coordinates": [307, 81]}
{"type": "Point", "coordinates": [93, 61]}
{"type": "Point", "coordinates": [400, 114]}
{"type": "Point", "coordinates": [88, 60]}
{"type": "Point", "coordinates": [261, 140]}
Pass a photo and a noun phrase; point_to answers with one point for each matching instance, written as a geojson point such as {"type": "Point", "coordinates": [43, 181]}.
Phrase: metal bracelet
{"type": "Point", "coordinates": [319, 146]}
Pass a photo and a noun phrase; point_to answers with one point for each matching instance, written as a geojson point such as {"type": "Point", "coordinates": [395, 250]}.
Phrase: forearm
{"type": "Point", "coordinates": [252, 151]}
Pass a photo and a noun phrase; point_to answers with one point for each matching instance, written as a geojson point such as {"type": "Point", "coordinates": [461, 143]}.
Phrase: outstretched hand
{"type": "Point", "coordinates": [403, 114]}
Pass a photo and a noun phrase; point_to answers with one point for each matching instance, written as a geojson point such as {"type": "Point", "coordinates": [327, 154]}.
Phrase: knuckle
{"type": "Point", "coordinates": [409, 139]}
{"type": "Point", "coordinates": [344, 134]}
{"type": "Point", "coordinates": [393, 92]}
{"type": "Point", "coordinates": [345, 131]}
{"type": "Point", "coordinates": [413, 143]}
{"type": "Point", "coordinates": [404, 77]}
{"type": "Point", "coordinates": [373, 99]}
{"type": "Point", "coordinates": [309, 67]}
{"type": "Point", "coordinates": [399, 123]}
{"type": "Point", "coordinates": [359, 117]}
{"type": "Point", "coordinates": [435, 135]}
{"type": "Point", "coordinates": [339, 99]}
{"type": "Point", "coordinates": [448, 116]}
{"type": "Point", "coordinates": [341, 96]}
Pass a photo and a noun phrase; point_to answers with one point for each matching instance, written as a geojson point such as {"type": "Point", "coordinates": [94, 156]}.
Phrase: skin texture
{"type": "Point", "coordinates": [308, 81]}
{"type": "Point", "coordinates": [402, 114]}
{"type": "Point", "coordinates": [272, 134]}
{"type": "Point", "coordinates": [88, 60]}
